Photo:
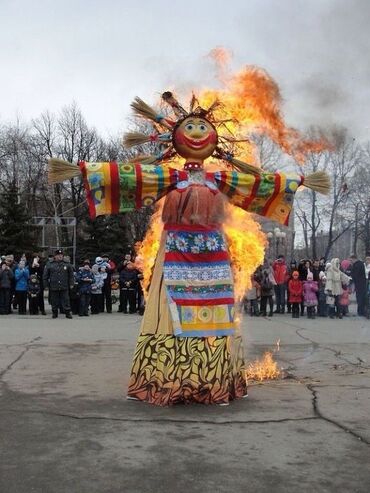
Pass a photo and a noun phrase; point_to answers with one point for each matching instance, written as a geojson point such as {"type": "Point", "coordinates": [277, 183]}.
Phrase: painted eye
{"type": "Point", "coordinates": [189, 127]}
{"type": "Point", "coordinates": [203, 128]}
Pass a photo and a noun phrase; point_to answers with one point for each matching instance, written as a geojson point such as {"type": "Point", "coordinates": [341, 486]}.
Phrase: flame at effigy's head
{"type": "Point", "coordinates": [250, 102]}
{"type": "Point", "coordinates": [246, 242]}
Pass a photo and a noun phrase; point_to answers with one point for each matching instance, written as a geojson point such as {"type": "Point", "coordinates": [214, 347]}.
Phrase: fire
{"type": "Point", "coordinates": [150, 246]}
{"type": "Point", "coordinates": [251, 103]}
{"type": "Point", "coordinates": [246, 244]}
{"type": "Point", "coordinates": [263, 369]}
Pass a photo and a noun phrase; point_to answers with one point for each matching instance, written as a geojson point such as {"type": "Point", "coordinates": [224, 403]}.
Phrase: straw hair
{"type": "Point", "coordinates": [245, 167]}
{"type": "Point", "coordinates": [145, 111]}
{"type": "Point", "coordinates": [59, 171]}
{"type": "Point", "coordinates": [135, 138]}
{"type": "Point", "coordinates": [131, 139]}
{"type": "Point", "coordinates": [318, 181]}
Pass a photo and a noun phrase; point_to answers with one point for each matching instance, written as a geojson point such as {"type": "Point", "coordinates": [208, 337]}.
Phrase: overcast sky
{"type": "Point", "coordinates": [103, 53]}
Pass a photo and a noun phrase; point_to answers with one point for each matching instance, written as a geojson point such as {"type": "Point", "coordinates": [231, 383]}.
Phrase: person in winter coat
{"type": "Point", "coordinates": [128, 281]}
{"type": "Point", "coordinates": [267, 289]}
{"type": "Point", "coordinates": [358, 274]}
{"type": "Point", "coordinates": [292, 268]}
{"type": "Point", "coordinates": [281, 276]}
{"type": "Point", "coordinates": [21, 275]}
{"type": "Point", "coordinates": [58, 276]}
{"type": "Point", "coordinates": [85, 279]}
{"type": "Point", "coordinates": [110, 267]}
{"type": "Point", "coordinates": [316, 269]}
{"type": "Point", "coordinates": [333, 287]}
{"type": "Point", "coordinates": [310, 289]}
{"type": "Point", "coordinates": [6, 278]}
{"type": "Point", "coordinates": [33, 292]}
{"type": "Point", "coordinates": [37, 267]}
{"type": "Point", "coordinates": [96, 290]}
{"type": "Point", "coordinates": [344, 300]}
{"type": "Point", "coordinates": [295, 293]}
{"type": "Point", "coordinates": [321, 296]}
{"type": "Point", "coordinates": [252, 296]}
{"type": "Point", "coordinates": [304, 268]}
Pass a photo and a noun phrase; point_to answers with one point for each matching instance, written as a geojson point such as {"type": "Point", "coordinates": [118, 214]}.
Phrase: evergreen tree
{"type": "Point", "coordinates": [17, 235]}
{"type": "Point", "coordinates": [105, 234]}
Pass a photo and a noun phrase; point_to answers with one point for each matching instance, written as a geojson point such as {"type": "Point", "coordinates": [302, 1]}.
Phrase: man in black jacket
{"type": "Point", "coordinates": [358, 275]}
{"type": "Point", "coordinates": [58, 276]}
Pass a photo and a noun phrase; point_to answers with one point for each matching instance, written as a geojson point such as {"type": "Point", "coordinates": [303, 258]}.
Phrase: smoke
{"type": "Point", "coordinates": [320, 56]}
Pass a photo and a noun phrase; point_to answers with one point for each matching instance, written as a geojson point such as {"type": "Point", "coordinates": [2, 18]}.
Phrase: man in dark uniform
{"type": "Point", "coordinates": [58, 276]}
{"type": "Point", "coordinates": [358, 275]}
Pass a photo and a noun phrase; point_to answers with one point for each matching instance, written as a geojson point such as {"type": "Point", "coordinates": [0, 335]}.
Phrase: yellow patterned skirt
{"type": "Point", "coordinates": [168, 370]}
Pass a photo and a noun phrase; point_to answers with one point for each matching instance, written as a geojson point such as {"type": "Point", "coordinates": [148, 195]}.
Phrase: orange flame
{"type": "Point", "coordinates": [246, 244]}
{"type": "Point", "coordinates": [264, 369]}
{"type": "Point", "coordinates": [251, 103]}
{"type": "Point", "coordinates": [150, 246]}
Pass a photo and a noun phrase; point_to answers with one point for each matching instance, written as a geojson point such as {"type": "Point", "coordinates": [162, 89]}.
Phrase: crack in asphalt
{"type": "Point", "coordinates": [159, 420]}
{"type": "Point", "coordinates": [318, 413]}
{"type": "Point", "coordinates": [18, 358]}
{"type": "Point", "coordinates": [337, 354]}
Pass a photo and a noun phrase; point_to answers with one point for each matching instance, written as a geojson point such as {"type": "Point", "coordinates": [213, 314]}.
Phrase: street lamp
{"type": "Point", "coordinates": [275, 239]}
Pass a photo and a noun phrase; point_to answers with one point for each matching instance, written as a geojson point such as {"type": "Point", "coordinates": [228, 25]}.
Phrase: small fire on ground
{"type": "Point", "coordinates": [264, 368]}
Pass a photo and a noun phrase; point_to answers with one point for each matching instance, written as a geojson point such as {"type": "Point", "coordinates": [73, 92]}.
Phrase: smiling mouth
{"type": "Point", "coordinates": [196, 143]}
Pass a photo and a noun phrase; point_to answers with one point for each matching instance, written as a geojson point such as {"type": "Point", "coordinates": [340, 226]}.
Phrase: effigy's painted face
{"type": "Point", "coordinates": [195, 138]}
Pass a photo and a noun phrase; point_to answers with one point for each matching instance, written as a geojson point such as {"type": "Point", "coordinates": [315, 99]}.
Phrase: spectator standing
{"type": "Point", "coordinates": [96, 290]}
{"type": "Point", "coordinates": [316, 269]}
{"type": "Point", "coordinates": [110, 267]}
{"type": "Point", "coordinates": [85, 279]}
{"type": "Point", "coordinates": [37, 267]}
{"type": "Point", "coordinates": [6, 278]}
{"type": "Point", "coordinates": [344, 300]}
{"type": "Point", "coordinates": [252, 296]}
{"type": "Point", "coordinates": [281, 277]}
{"type": "Point", "coordinates": [295, 293]}
{"type": "Point", "coordinates": [358, 275]}
{"type": "Point", "coordinates": [21, 275]}
{"type": "Point", "coordinates": [321, 297]}
{"type": "Point", "coordinates": [128, 281]}
{"type": "Point", "coordinates": [122, 265]}
{"type": "Point", "coordinates": [74, 295]}
{"type": "Point", "coordinates": [33, 291]}
{"type": "Point", "coordinates": [139, 265]}
{"type": "Point", "coordinates": [310, 289]}
{"type": "Point", "coordinates": [333, 287]}
{"type": "Point", "coordinates": [267, 289]}
{"type": "Point", "coordinates": [58, 276]}
{"type": "Point", "coordinates": [9, 259]}
{"type": "Point", "coordinates": [303, 268]}
{"type": "Point", "coordinates": [292, 268]}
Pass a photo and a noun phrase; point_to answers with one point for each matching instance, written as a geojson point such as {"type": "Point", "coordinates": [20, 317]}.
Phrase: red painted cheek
{"type": "Point", "coordinates": [179, 137]}
{"type": "Point", "coordinates": [213, 137]}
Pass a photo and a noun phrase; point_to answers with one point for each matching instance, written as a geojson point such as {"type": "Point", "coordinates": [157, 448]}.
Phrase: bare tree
{"type": "Point", "coordinates": [330, 214]}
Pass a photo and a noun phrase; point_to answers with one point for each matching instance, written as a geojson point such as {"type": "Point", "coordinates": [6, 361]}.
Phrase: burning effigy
{"type": "Point", "coordinates": [203, 243]}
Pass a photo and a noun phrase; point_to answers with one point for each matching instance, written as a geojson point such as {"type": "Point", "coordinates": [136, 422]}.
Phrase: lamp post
{"type": "Point", "coordinates": [276, 238]}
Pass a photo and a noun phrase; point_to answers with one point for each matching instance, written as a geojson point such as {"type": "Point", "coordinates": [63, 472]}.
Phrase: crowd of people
{"type": "Point", "coordinates": [81, 291]}
{"type": "Point", "coordinates": [313, 287]}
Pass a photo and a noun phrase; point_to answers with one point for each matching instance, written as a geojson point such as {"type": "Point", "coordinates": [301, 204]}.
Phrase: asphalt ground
{"type": "Point", "coordinates": [66, 426]}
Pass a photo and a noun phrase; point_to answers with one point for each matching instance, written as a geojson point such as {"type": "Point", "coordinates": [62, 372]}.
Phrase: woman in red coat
{"type": "Point", "coordinates": [295, 293]}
